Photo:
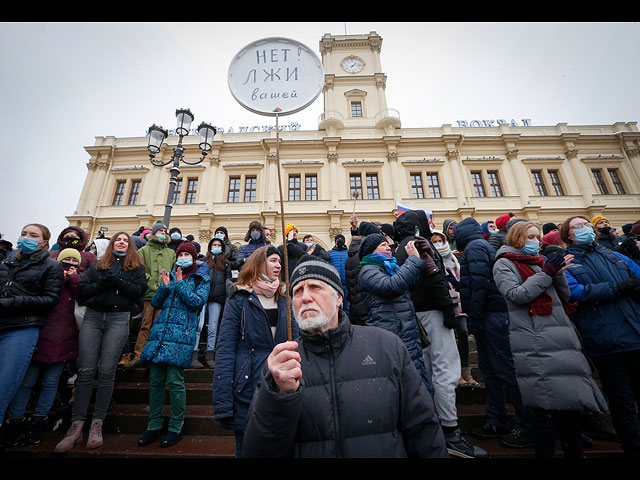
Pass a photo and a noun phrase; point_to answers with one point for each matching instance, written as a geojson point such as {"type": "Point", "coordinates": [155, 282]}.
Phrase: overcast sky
{"type": "Point", "coordinates": [63, 84]}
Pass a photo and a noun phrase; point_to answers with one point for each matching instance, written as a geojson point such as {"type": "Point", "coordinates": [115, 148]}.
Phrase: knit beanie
{"type": "Point", "coordinates": [501, 221]}
{"type": "Point", "coordinates": [310, 266]}
{"type": "Point", "coordinates": [547, 227]}
{"type": "Point", "coordinates": [370, 243]}
{"type": "Point", "coordinates": [69, 253]}
{"type": "Point", "coordinates": [175, 229]}
{"type": "Point", "coordinates": [626, 228]}
{"type": "Point", "coordinates": [597, 219]}
{"type": "Point", "coordinates": [288, 228]}
{"type": "Point", "coordinates": [367, 228]}
{"type": "Point", "coordinates": [144, 232]}
{"type": "Point", "coordinates": [339, 236]}
{"type": "Point", "coordinates": [552, 238]}
{"type": "Point", "coordinates": [189, 248]}
{"type": "Point", "coordinates": [157, 226]}
{"type": "Point", "coordinates": [223, 230]}
{"type": "Point", "coordinates": [515, 220]}
{"type": "Point", "coordinates": [388, 230]}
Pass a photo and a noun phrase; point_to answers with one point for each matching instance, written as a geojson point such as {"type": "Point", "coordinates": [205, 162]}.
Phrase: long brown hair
{"type": "Point", "coordinates": [255, 265]}
{"type": "Point", "coordinates": [132, 261]}
{"type": "Point", "coordinates": [46, 236]}
{"type": "Point", "coordinates": [215, 262]}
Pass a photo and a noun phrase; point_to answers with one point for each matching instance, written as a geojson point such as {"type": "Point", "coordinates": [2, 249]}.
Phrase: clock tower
{"type": "Point", "coordinates": [354, 86]}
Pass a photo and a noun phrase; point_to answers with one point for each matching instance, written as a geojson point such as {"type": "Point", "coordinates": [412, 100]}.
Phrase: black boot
{"type": "Point", "coordinates": [12, 432]}
{"type": "Point", "coordinates": [34, 431]}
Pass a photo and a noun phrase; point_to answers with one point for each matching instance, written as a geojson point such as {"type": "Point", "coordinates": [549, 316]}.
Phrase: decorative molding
{"type": "Point", "coordinates": [512, 154]}
{"type": "Point", "coordinates": [204, 235]}
{"type": "Point", "coordinates": [571, 153]}
{"type": "Point", "coordinates": [333, 231]}
{"type": "Point", "coordinates": [332, 157]}
{"type": "Point", "coordinates": [452, 154]}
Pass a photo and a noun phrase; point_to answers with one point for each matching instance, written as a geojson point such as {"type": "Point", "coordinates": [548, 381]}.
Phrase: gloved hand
{"type": "Point", "coordinates": [553, 264]}
{"type": "Point", "coordinates": [629, 286]}
{"type": "Point", "coordinates": [426, 254]}
{"type": "Point", "coordinates": [450, 320]}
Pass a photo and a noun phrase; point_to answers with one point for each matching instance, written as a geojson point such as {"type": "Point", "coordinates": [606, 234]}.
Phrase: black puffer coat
{"type": "Point", "coordinates": [357, 308]}
{"type": "Point", "coordinates": [360, 396]}
{"type": "Point", "coordinates": [35, 289]}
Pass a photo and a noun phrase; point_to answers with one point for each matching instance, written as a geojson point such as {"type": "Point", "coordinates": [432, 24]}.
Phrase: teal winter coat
{"type": "Point", "coordinates": [173, 336]}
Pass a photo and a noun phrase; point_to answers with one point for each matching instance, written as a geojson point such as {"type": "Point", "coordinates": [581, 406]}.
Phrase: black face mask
{"type": "Point", "coordinates": [71, 240]}
{"type": "Point", "coordinates": [67, 265]}
{"type": "Point", "coordinates": [604, 230]}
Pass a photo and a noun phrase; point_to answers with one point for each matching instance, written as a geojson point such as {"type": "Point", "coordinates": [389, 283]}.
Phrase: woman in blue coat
{"type": "Point", "coordinates": [385, 288]}
{"type": "Point", "coordinates": [606, 286]}
{"type": "Point", "coordinates": [169, 348]}
{"type": "Point", "coordinates": [253, 323]}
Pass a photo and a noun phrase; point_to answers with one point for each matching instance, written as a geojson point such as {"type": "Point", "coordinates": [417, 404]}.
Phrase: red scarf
{"type": "Point", "coordinates": [543, 304]}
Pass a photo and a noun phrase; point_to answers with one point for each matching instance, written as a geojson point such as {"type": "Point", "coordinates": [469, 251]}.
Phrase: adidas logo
{"type": "Point", "coordinates": [368, 360]}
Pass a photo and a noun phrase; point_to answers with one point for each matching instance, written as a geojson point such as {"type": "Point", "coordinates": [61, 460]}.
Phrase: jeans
{"type": "Point", "coordinates": [443, 364]}
{"type": "Point", "coordinates": [549, 424]}
{"type": "Point", "coordinates": [50, 377]}
{"type": "Point", "coordinates": [102, 337]}
{"type": "Point", "coordinates": [620, 377]}
{"type": "Point", "coordinates": [498, 370]}
{"type": "Point", "coordinates": [16, 350]}
{"type": "Point", "coordinates": [161, 374]}
{"type": "Point", "coordinates": [212, 326]}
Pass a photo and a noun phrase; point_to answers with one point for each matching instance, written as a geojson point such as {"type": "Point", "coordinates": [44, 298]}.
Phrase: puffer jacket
{"type": "Point", "coordinates": [338, 257]}
{"type": "Point", "coordinates": [157, 256]}
{"type": "Point", "coordinates": [551, 370]}
{"type": "Point", "coordinates": [360, 396]}
{"type": "Point", "coordinates": [478, 292]}
{"type": "Point", "coordinates": [42, 279]}
{"type": "Point", "coordinates": [173, 335]}
{"type": "Point", "coordinates": [608, 240]}
{"type": "Point", "coordinates": [245, 341]}
{"type": "Point", "coordinates": [608, 321]}
{"type": "Point", "coordinates": [389, 304]}
{"type": "Point", "coordinates": [357, 308]}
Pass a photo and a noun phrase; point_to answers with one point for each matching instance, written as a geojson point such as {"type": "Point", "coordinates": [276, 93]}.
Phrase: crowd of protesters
{"type": "Point", "coordinates": [549, 309]}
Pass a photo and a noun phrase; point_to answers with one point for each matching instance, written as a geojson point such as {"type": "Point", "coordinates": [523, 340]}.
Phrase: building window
{"type": "Point", "coordinates": [250, 189]}
{"type": "Point", "coordinates": [356, 109]}
{"type": "Point", "coordinates": [538, 181]}
{"type": "Point", "coordinates": [416, 185]}
{"type": "Point", "coordinates": [117, 198]}
{"type": "Point", "coordinates": [355, 185]}
{"type": "Point", "coordinates": [433, 185]}
{"type": "Point", "coordinates": [134, 193]}
{"type": "Point", "coordinates": [234, 189]}
{"type": "Point", "coordinates": [617, 184]}
{"type": "Point", "coordinates": [597, 175]}
{"type": "Point", "coordinates": [494, 184]}
{"type": "Point", "coordinates": [478, 185]}
{"type": "Point", "coordinates": [555, 182]}
{"type": "Point", "coordinates": [192, 187]}
{"type": "Point", "coordinates": [294, 187]}
{"type": "Point", "coordinates": [372, 186]}
{"type": "Point", "coordinates": [311, 187]}
{"type": "Point", "coordinates": [177, 191]}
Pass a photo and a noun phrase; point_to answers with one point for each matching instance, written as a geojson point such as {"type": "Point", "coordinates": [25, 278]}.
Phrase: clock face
{"type": "Point", "coordinates": [352, 64]}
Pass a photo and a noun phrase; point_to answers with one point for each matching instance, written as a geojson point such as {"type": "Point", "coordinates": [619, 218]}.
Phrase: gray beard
{"type": "Point", "coordinates": [315, 324]}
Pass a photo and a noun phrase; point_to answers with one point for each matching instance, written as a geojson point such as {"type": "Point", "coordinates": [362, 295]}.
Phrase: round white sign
{"type": "Point", "coordinates": [275, 76]}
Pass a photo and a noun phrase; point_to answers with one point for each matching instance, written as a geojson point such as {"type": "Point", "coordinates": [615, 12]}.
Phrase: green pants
{"type": "Point", "coordinates": [161, 374]}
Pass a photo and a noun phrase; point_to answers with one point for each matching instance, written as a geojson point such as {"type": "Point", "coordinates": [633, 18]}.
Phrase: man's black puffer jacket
{"type": "Point", "coordinates": [357, 308]}
{"type": "Point", "coordinates": [360, 396]}
{"type": "Point", "coordinates": [42, 278]}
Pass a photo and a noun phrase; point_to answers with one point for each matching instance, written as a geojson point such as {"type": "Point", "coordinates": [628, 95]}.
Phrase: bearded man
{"type": "Point", "coordinates": [339, 390]}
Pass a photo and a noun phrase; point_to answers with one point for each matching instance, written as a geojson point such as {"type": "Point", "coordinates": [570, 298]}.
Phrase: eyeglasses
{"type": "Point", "coordinates": [578, 226]}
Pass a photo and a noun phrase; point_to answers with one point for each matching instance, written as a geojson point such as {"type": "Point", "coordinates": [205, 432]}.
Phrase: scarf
{"type": "Point", "coordinates": [264, 288]}
{"type": "Point", "coordinates": [543, 304]}
{"type": "Point", "coordinates": [189, 270]}
{"type": "Point", "coordinates": [389, 264]}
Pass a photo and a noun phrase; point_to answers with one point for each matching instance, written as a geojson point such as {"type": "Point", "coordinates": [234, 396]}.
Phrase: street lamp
{"type": "Point", "coordinates": [157, 136]}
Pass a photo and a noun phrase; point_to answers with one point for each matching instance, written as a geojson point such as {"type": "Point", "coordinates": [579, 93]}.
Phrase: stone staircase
{"type": "Point", "coordinates": [203, 438]}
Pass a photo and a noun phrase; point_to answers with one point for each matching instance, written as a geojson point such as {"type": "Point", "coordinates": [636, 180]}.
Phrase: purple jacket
{"type": "Point", "coordinates": [58, 340]}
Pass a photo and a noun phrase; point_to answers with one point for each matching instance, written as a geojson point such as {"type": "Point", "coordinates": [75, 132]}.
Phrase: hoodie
{"type": "Point", "coordinates": [88, 258]}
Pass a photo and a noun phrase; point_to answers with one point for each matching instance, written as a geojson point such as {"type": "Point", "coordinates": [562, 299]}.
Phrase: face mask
{"type": "Point", "coordinates": [71, 240]}
{"type": "Point", "coordinates": [119, 254]}
{"type": "Point", "coordinates": [438, 244]}
{"type": "Point", "coordinates": [67, 265]}
{"type": "Point", "coordinates": [216, 250]}
{"type": "Point", "coordinates": [309, 244]}
{"type": "Point", "coordinates": [176, 236]}
{"type": "Point", "coordinates": [491, 232]}
{"type": "Point", "coordinates": [385, 254]}
{"type": "Point", "coordinates": [161, 237]}
{"type": "Point", "coordinates": [531, 247]}
{"type": "Point", "coordinates": [585, 235]}
{"type": "Point", "coordinates": [220, 236]}
{"type": "Point", "coordinates": [184, 262]}
{"type": "Point", "coordinates": [604, 230]}
{"type": "Point", "coordinates": [27, 245]}
{"type": "Point", "coordinates": [256, 235]}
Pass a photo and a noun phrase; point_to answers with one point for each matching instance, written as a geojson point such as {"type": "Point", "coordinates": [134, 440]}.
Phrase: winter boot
{"type": "Point", "coordinates": [72, 438]}
{"type": "Point", "coordinates": [95, 434]}
{"type": "Point", "coordinates": [195, 363]}
{"type": "Point", "coordinates": [34, 431]}
{"type": "Point", "coordinates": [209, 356]}
{"type": "Point", "coordinates": [10, 437]}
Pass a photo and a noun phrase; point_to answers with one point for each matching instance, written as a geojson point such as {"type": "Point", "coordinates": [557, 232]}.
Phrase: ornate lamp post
{"type": "Point", "coordinates": [157, 136]}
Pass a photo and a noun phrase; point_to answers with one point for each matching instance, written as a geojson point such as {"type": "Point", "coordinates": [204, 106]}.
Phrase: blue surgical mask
{"type": "Point", "coordinates": [308, 244]}
{"type": "Point", "coordinates": [27, 245]}
{"type": "Point", "coordinates": [216, 250]}
{"type": "Point", "coordinates": [161, 237]}
{"type": "Point", "coordinates": [531, 247]}
{"type": "Point", "coordinates": [220, 236]}
{"type": "Point", "coordinates": [585, 235]}
{"type": "Point", "coordinates": [176, 236]}
{"type": "Point", "coordinates": [184, 262]}
{"type": "Point", "coordinates": [119, 254]}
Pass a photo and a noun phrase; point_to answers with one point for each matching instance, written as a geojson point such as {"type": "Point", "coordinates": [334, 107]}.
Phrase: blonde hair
{"type": "Point", "coordinates": [517, 235]}
{"type": "Point", "coordinates": [46, 236]}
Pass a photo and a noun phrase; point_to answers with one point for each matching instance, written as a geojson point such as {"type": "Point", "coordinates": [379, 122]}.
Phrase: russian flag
{"type": "Point", "coordinates": [405, 207]}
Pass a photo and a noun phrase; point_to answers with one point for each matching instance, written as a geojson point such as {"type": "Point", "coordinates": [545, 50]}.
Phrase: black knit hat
{"type": "Point", "coordinates": [547, 227]}
{"type": "Point", "coordinates": [370, 243]}
{"type": "Point", "coordinates": [389, 230]}
{"type": "Point", "coordinates": [310, 266]}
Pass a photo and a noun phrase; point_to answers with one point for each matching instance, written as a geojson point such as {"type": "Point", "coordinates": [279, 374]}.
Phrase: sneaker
{"type": "Point", "coordinates": [34, 431]}
{"type": "Point", "coordinates": [171, 438]}
{"type": "Point", "coordinates": [136, 362]}
{"type": "Point", "coordinates": [516, 439]}
{"type": "Point", "coordinates": [489, 430]}
{"type": "Point", "coordinates": [457, 446]}
{"type": "Point", "coordinates": [149, 437]}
